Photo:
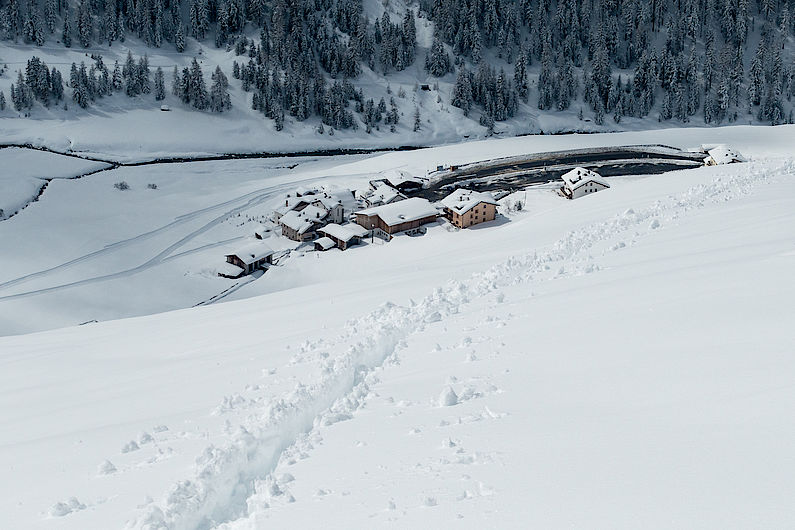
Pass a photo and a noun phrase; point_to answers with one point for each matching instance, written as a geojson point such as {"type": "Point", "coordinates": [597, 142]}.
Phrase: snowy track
{"type": "Point", "coordinates": [235, 479]}
{"type": "Point", "coordinates": [237, 205]}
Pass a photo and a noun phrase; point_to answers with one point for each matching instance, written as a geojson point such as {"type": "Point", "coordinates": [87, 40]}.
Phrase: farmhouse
{"type": "Point", "coordinates": [464, 208]}
{"type": "Point", "coordinates": [343, 236]}
{"type": "Point", "coordinates": [722, 154]}
{"type": "Point", "coordinates": [302, 225]}
{"type": "Point", "coordinates": [580, 181]}
{"type": "Point", "coordinates": [247, 260]}
{"type": "Point", "coordinates": [402, 216]}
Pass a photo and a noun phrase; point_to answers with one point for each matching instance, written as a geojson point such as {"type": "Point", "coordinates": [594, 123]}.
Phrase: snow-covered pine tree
{"type": "Point", "coordinates": [179, 37]}
{"type": "Point", "coordinates": [117, 81]}
{"type": "Point", "coordinates": [176, 83]}
{"type": "Point", "coordinates": [462, 91]}
{"type": "Point", "coordinates": [160, 85]}
{"type": "Point", "coordinates": [219, 92]}
{"type": "Point", "coordinates": [66, 36]}
{"type": "Point", "coordinates": [437, 61]}
{"type": "Point", "coordinates": [198, 88]}
{"type": "Point", "coordinates": [142, 75]}
{"type": "Point", "coordinates": [85, 24]}
{"type": "Point", "coordinates": [520, 76]}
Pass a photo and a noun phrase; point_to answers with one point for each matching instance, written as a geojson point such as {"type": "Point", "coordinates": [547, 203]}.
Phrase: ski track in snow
{"type": "Point", "coordinates": [252, 199]}
{"type": "Point", "coordinates": [237, 477]}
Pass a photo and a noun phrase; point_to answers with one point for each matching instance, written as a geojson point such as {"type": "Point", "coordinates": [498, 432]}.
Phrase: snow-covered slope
{"type": "Point", "coordinates": [616, 361]}
{"type": "Point", "coordinates": [112, 254]}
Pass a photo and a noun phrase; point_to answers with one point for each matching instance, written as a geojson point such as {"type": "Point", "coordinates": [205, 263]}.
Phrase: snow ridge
{"type": "Point", "coordinates": [237, 480]}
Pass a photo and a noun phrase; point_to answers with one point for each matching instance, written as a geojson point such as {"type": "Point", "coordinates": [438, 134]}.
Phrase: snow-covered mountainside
{"type": "Point", "coordinates": [621, 360]}
{"type": "Point", "coordinates": [277, 76]}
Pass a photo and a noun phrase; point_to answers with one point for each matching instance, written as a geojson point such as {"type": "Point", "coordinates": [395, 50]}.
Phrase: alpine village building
{"type": "Point", "coordinates": [580, 181]}
{"type": "Point", "coordinates": [247, 260]}
{"type": "Point", "coordinates": [401, 216]}
{"type": "Point", "coordinates": [465, 208]}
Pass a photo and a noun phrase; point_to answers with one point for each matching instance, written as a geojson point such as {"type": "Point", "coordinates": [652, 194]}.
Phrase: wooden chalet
{"type": "Point", "coordinates": [402, 216]}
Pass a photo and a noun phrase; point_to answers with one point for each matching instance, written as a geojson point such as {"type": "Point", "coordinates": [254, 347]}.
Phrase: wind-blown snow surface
{"type": "Point", "coordinates": [623, 360]}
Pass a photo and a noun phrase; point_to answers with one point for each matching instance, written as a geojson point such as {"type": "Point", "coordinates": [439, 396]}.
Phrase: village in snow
{"type": "Point", "coordinates": [329, 217]}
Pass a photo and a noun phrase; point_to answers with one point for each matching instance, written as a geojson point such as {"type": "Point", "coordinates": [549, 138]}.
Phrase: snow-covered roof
{"type": "Point", "coordinates": [253, 252]}
{"type": "Point", "coordinates": [261, 229]}
{"type": "Point", "coordinates": [398, 176]}
{"type": "Point", "coordinates": [384, 193]}
{"type": "Point", "coordinates": [344, 232]}
{"type": "Point", "coordinates": [723, 154]}
{"type": "Point", "coordinates": [327, 201]}
{"type": "Point", "coordinates": [579, 176]}
{"type": "Point", "coordinates": [303, 220]}
{"type": "Point", "coordinates": [303, 190]}
{"type": "Point", "coordinates": [325, 243]}
{"type": "Point", "coordinates": [402, 211]}
{"type": "Point", "coordinates": [462, 200]}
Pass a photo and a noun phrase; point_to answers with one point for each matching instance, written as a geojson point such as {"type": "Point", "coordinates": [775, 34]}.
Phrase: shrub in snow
{"type": "Point", "coordinates": [151, 186]}
{"type": "Point", "coordinates": [121, 186]}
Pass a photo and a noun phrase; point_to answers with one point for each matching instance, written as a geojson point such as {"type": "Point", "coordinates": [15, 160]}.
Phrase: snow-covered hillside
{"type": "Point", "coordinates": [622, 360]}
{"type": "Point", "coordinates": [704, 65]}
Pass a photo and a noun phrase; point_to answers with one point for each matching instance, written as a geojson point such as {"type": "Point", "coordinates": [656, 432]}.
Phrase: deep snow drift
{"type": "Point", "coordinates": [622, 360]}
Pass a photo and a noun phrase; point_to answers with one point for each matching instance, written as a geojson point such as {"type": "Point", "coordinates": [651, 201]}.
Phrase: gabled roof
{"type": "Point", "coordinates": [579, 176]}
{"type": "Point", "coordinates": [344, 232]}
{"type": "Point", "coordinates": [462, 200]}
{"type": "Point", "coordinates": [402, 211]}
{"type": "Point", "coordinates": [253, 252]}
{"type": "Point", "coordinates": [304, 220]}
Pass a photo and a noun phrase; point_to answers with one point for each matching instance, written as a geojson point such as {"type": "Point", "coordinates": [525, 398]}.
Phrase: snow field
{"type": "Point", "coordinates": [241, 408]}
{"type": "Point", "coordinates": [23, 173]}
{"type": "Point", "coordinates": [212, 496]}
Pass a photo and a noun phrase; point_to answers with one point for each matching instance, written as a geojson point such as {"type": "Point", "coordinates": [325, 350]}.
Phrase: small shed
{"type": "Point", "coordinates": [324, 243]}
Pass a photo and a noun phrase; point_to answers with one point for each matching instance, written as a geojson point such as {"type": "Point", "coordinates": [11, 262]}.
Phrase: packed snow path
{"type": "Point", "coordinates": [234, 481]}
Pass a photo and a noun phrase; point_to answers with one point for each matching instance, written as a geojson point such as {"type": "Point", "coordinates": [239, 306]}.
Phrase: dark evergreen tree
{"type": "Point", "coordinates": [66, 36]}
{"type": "Point", "coordinates": [219, 92]}
{"type": "Point", "coordinates": [160, 85]}
{"type": "Point", "coordinates": [437, 61]}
